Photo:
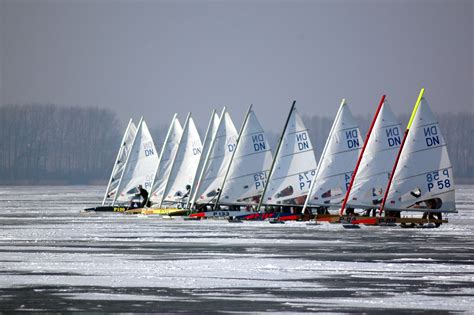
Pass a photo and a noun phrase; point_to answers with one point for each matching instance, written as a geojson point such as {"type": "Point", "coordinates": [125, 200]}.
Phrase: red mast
{"type": "Point", "coordinates": [343, 207]}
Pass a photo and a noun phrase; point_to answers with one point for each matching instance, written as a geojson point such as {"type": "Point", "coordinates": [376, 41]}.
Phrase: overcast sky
{"type": "Point", "coordinates": [159, 57]}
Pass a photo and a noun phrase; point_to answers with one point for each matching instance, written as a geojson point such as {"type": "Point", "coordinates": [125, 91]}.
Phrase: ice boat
{"type": "Point", "coordinates": [168, 153]}
{"type": "Point", "coordinates": [206, 146]}
{"type": "Point", "coordinates": [249, 166]}
{"type": "Point", "coordinates": [119, 165]}
{"type": "Point", "coordinates": [247, 172]}
{"type": "Point", "coordinates": [294, 165]}
{"type": "Point", "coordinates": [216, 163]}
{"type": "Point", "coordinates": [375, 162]}
{"type": "Point", "coordinates": [138, 169]}
{"type": "Point", "coordinates": [337, 162]}
{"type": "Point", "coordinates": [373, 168]}
{"type": "Point", "coordinates": [290, 174]}
{"type": "Point", "coordinates": [183, 168]}
{"type": "Point", "coordinates": [422, 177]}
{"type": "Point", "coordinates": [163, 170]}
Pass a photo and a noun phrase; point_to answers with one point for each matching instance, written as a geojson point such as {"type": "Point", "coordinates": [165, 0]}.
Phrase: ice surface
{"type": "Point", "coordinates": [53, 257]}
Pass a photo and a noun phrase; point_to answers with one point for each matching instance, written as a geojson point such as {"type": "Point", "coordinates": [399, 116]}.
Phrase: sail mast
{"type": "Point", "coordinates": [208, 155]}
{"type": "Point", "coordinates": [174, 158]}
{"type": "Point", "coordinates": [233, 153]}
{"type": "Point", "coordinates": [122, 147]}
{"type": "Point", "coordinates": [415, 109]}
{"type": "Point", "coordinates": [126, 161]}
{"type": "Point", "coordinates": [276, 155]}
{"type": "Point", "coordinates": [162, 151]}
{"type": "Point", "coordinates": [343, 207]}
{"type": "Point", "coordinates": [201, 160]}
{"type": "Point", "coordinates": [186, 123]}
{"type": "Point", "coordinates": [311, 187]}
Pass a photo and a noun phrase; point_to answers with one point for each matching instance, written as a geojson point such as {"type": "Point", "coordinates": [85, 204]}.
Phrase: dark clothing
{"type": "Point", "coordinates": [144, 194]}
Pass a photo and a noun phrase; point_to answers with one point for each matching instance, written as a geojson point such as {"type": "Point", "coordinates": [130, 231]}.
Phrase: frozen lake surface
{"type": "Point", "coordinates": [55, 258]}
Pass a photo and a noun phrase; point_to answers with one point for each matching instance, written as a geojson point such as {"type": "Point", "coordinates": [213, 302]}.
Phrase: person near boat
{"type": "Point", "coordinates": [434, 203]}
{"type": "Point", "coordinates": [184, 198]}
{"type": "Point", "coordinates": [143, 193]}
{"type": "Point", "coordinates": [188, 191]}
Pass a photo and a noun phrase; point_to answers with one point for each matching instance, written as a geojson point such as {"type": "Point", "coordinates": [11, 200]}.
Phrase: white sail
{"type": "Point", "coordinates": [250, 165]}
{"type": "Point", "coordinates": [337, 161]}
{"type": "Point", "coordinates": [168, 152]}
{"type": "Point", "coordinates": [376, 164]}
{"type": "Point", "coordinates": [217, 160]}
{"type": "Point", "coordinates": [141, 165]}
{"type": "Point", "coordinates": [424, 171]}
{"type": "Point", "coordinates": [117, 171]}
{"type": "Point", "coordinates": [210, 132]}
{"type": "Point", "coordinates": [185, 163]}
{"type": "Point", "coordinates": [294, 165]}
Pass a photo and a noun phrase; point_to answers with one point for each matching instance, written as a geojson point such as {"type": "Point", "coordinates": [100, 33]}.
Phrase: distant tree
{"type": "Point", "coordinates": [42, 143]}
{"type": "Point", "coordinates": [458, 129]}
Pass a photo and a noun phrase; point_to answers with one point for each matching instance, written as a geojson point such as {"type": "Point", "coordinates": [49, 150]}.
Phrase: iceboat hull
{"type": "Point", "coordinates": [159, 211]}
{"type": "Point", "coordinates": [272, 216]}
{"type": "Point", "coordinates": [220, 214]}
{"type": "Point", "coordinates": [108, 209]}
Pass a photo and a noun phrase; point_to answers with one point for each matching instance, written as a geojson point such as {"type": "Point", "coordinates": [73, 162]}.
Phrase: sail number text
{"type": "Point", "coordinates": [305, 179]}
{"type": "Point", "coordinates": [437, 180]}
{"type": "Point", "coordinates": [347, 179]}
{"type": "Point", "coordinates": [259, 179]}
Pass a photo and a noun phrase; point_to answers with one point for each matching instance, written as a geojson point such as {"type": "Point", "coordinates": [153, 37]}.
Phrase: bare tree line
{"type": "Point", "coordinates": [57, 144]}
{"type": "Point", "coordinates": [48, 143]}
